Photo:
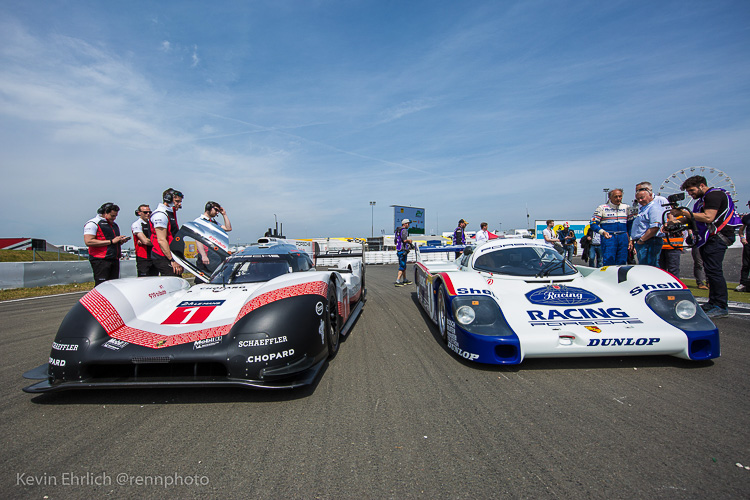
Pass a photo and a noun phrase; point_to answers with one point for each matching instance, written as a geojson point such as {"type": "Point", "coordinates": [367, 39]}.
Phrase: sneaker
{"type": "Point", "coordinates": [407, 282]}
{"type": "Point", "coordinates": [717, 312]}
{"type": "Point", "coordinates": [701, 286]}
{"type": "Point", "coordinates": [707, 307]}
{"type": "Point", "coordinates": [741, 288]}
{"type": "Point", "coordinates": [398, 283]}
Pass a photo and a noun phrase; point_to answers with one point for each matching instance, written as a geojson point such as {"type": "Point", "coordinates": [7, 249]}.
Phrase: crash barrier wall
{"type": "Point", "coordinates": [31, 274]}
{"type": "Point", "coordinates": [390, 257]}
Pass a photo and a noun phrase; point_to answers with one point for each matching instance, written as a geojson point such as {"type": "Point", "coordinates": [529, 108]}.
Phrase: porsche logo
{"type": "Point", "coordinates": [594, 329]}
{"type": "Point", "coordinates": [162, 342]}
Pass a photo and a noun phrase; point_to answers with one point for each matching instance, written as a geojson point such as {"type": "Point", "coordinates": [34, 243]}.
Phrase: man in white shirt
{"type": "Point", "coordinates": [482, 235]}
{"type": "Point", "coordinates": [164, 227]}
{"type": "Point", "coordinates": [550, 237]}
{"type": "Point", "coordinates": [212, 210]}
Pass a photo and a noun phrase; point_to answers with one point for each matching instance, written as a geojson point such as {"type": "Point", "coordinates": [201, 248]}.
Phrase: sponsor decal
{"type": "Point", "coordinates": [114, 344]}
{"type": "Point", "coordinates": [321, 331]}
{"type": "Point", "coordinates": [490, 281]}
{"type": "Point", "coordinates": [64, 347]}
{"type": "Point", "coordinates": [602, 269]}
{"type": "Point", "coordinates": [192, 312]}
{"type": "Point", "coordinates": [56, 362]}
{"type": "Point", "coordinates": [270, 357]}
{"type": "Point", "coordinates": [621, 341]}
{"type": "Point", "coordinates": [161, 343]}
{"type": "Point", "coordinates": [200, 344]}
{"type": "Point", "coordinates": [561, 295]}
{"type": "Point", "coordinates": [261, 342]}
{"type": "Point", "coordinates": [453, 344]}
{"type": "Point", "coordinates": [594, 329]}
{"type": "Point", "coordinates": [319, 308]}
{"type": "Point", "coordinates": [450, 326]}
{"type": "Point", "coordinates": [161, 291]}
{"type": "Point", "coordinates": [659, 286]}
{"type": "Point", "coordinates": [581, 316]}
{"type": "Point", "coordinates": [200, 303]}
{"type": "Point", "coordinates": [474, 291]}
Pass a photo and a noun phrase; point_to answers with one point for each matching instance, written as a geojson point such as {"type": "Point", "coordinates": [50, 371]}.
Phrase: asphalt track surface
{"type": "Point", "coordinates": [394, 415]}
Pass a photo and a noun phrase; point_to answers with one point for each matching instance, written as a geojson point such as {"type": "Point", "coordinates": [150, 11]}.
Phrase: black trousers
{"type": "Point", "coordinates": [145, 267]}
{"type": "Point", "coordinates": [744, 278]}
{"type": "Point", "coordinates": [105, 269]}
{"type": "Point", "coordinates": [162, 265]}
{"type": "Point", "coordinates": [713, 259]}
{"type": "Point", "coordinates": [669, 260]}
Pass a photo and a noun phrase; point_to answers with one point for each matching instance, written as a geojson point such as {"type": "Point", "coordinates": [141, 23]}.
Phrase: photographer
{"type": "Point", "coordinates": [715, 221]}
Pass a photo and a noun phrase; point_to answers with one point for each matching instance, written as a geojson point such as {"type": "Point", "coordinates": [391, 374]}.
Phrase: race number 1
{"type": "Point", "coordinates": [188, 315]}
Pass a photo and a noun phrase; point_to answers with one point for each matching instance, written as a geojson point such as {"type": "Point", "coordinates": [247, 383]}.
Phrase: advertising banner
{"type": "Point", "coordinates": [578, 226]}
{"type": "Point", "coordinates": [414, 214]}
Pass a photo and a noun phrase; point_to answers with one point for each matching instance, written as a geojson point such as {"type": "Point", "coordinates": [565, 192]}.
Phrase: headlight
{"type": "Point", "coordinates": [465, 315]}
{"type": "Point", "coordinates": [685, 309]}
{"type": "Point", "coordinates": [480, 315]}
{"type": "Point", "coordinates": [679, 309]}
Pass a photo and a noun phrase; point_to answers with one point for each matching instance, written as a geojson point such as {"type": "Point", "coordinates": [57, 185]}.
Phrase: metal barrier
{"type": "Point", "coordinates": [31, 274]}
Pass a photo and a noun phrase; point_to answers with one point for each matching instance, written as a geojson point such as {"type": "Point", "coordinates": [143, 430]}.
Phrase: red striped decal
{"type": "Point", "coordinates": [107, 316]}
{"type": "Point", "coordinates": [448, 283]}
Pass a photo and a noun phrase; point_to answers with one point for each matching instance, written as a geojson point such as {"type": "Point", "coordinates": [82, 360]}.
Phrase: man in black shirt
{"type": "Point", "coordinates": [744, 285]}
{"type": "Point", "coordinates": [716, 222]}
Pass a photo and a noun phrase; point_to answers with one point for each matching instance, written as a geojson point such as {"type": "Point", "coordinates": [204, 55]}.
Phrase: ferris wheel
{"type": "Point", "coordinates": [714, 178]}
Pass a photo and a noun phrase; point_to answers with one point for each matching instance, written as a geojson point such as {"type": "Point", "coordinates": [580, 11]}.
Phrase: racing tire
{"type": "Point", "coordinates": [362, 285]}
{"type": "Point", "coordinates": [333, 322]}
{"type": "Point", "coordinates": [442, 315]}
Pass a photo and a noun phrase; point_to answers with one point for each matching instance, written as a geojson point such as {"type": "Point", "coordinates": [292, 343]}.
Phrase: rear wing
{"type": "Point", "coordinates": [420, 249]}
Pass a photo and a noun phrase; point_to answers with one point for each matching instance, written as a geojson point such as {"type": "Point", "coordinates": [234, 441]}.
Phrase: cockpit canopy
{"type": "Point", "coordinates": [524, 261]}
{"type": "Point", "coordinates": [244, 268]}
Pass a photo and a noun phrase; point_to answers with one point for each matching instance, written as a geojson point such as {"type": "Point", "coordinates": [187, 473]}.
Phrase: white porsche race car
{"type": "Point", "coordinates": [265, 318]}
{"type": "Point", "coordinates": [507, 300]}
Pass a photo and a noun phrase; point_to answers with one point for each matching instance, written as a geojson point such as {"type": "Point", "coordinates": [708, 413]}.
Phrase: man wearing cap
{"type": "Point", "coordinates": [459, 238]}
{"type": "Point", "coordinates": [403, 244]}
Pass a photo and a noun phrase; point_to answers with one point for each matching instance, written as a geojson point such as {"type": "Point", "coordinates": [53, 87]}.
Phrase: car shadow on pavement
{"type": "Point", "coordinates": [177, 395]}
{"type": "Point", "coordinates": [573, 363]}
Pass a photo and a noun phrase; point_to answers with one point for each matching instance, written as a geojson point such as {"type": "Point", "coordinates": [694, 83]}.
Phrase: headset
{"type": "Point", "coordinates": [168, 196]}
{"type": "Point", "coordinates": [212, 204]}
{"type": "Point", "coordinates": [107, 208]}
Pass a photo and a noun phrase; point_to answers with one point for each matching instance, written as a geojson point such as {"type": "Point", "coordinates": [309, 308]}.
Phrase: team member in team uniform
{"type": "Point", "coordinates": [164, 227]}
{"type": "Point", "coordinates": [141, 230]}
{"type": "Point", "coordinates": [212, 210]}
{"type": "Point", "coordinates": [102, 237]}
{"type": "Point", "coordinates": [613, 221]}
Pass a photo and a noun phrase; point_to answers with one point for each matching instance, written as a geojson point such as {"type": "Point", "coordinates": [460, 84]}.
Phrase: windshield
{"type": "Point", "coordinates": [259, 268]}
{"type": "Point", "coordinates": [524, 261]}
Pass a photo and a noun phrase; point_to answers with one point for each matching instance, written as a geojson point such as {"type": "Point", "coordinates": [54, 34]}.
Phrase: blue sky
{"type": "Point", "coordinates": [311, 109]}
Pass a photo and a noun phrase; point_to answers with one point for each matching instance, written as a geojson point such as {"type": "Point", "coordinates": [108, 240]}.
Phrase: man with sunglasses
{"type": "Point", "coordinates": [102, 237]}
{"type": "Point", "coordinates": [141, 230]}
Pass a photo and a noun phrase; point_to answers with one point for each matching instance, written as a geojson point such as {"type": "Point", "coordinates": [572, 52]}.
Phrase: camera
{"type": "Point", "coordinates": [674, 198]}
